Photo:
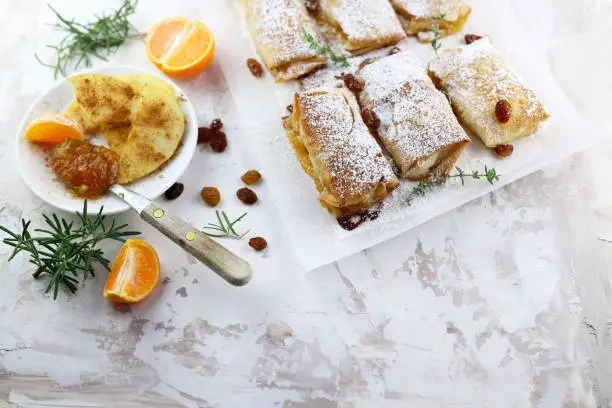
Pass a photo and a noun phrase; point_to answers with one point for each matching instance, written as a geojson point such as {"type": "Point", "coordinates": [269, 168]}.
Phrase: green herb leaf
{"type": "Point", "coordinates": [424, 187]}
{"type": "Point", "coordinates": [225, 228]}
{"type": "Point", "coordinates": [322, 49]}
{"type": "Point", "coordinates": [63, 250]}
{"type": "Point", "coordinates": [99, 38]}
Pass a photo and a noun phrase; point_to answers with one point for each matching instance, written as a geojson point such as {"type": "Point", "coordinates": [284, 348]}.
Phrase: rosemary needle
{"type": "Point", "coordinates": [322, 49]}
{"type": "Point", "coordinates": [225, 228]}
{"type": "Point", "coordinates": [99, 38]}
{"type": "Point", "coordinates": [424, 187]}
{"type": "Point", "coordinates": [63, 250]}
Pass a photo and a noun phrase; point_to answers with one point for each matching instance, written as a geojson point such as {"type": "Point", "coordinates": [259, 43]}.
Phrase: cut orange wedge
{"type": "Point", "coordinates": [53, 128]}
{"type": "Point", "coordinates": [134, 274]}
{"type": "Point", "coordinates": [180, 47]}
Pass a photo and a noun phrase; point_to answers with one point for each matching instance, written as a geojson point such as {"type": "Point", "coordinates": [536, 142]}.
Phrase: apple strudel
{"type": "Point", "coordinates": [419, 16]}
{"type": "Point", "coordinates": [276, 27]}
{"type": "Point", "coordinates": [417, 124]}
{"type": "Point", "coordinates": [361, 25]}
{"type": "Point", "coordinates": [336, 149]}
{"type": "Point", "coordinates": [488, 98]}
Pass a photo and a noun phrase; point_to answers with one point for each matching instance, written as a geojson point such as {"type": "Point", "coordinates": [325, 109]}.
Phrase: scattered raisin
{"type": "Point", "coordinates": [247, 196]}
{"type": "Point", "coordinates": [218, 141]}
{"type": "Point", "coordinates": [255, 67]}
{"type": "Point", "coordinates": [366, 62]}
{"type": "Point", "coordinates": [258, 244]}
{"type": "Point", "coordinates": [251, 177]}
{"type": "Point", "coordinates": [353, 84]}
{"type": "Point", "coordinates": [174, 191]}
{"type": "Point", "coordinates": [503, 150]}
{"type": "Point", "coordinates": [503, 111]}
{"type": "Point", "coordinates": [312, 5]}
{"type": "Point", "coordinates": [216, 125]}
{"type": "Point", "coordinates": [290, 108]}
{"type": "Point", "coordinates": [370, 118]}
{"type": "Point", "coordinates": [395, 50]}
{"type": "Point", "coordinates": [211, 196]}
{"type": "Point", "coordinates": [204, 135]}
{"type": "Point", "coordinates": [470, 38]}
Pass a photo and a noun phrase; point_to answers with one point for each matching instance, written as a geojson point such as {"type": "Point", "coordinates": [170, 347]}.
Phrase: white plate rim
{"type": "Point", "coordinates": [188, 142]}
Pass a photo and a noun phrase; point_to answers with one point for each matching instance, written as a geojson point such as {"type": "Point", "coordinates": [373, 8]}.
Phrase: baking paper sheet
{"type": "Point", "coordinates": [315, 234]}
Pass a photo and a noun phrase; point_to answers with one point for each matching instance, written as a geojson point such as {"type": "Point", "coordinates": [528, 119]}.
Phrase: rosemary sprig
{"type": "Point", "coordinates": [489, 174]}
{"type": "Point", "coordinates": [99, 38]}
{"type": "Point", "coordinates": [424, 187]}
{"type": "Point", "coordinates": [225, 228]}
{"type": "Point", "coordinates": [322, 49]}
{"type": "Point", "coordinates": [436, 44]}
{"type": "Point", "coordinates": [63, 251]}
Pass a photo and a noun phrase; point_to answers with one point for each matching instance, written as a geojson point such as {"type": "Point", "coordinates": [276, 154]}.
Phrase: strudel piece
{"type": "Point", "coordinates": [486, 95]}
{"type": "Point", "coordinates": [417, 124]}
{"type": "Point", "coordinates": [419, 16]}
{"type": "Point", "coordinates": [336, 149]}
{"type": "Point", "coordinates": [276, 27]}
{"type": "Point", "coordinates": [361, 25]}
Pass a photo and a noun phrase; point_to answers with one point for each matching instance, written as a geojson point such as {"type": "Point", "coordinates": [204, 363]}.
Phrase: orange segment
{"type": "Point", "coordinates": [180, 47]}
{"type": "Point", "coordinates": [53, 128]}
{"type": "Point", "coordinates": [135, 273]}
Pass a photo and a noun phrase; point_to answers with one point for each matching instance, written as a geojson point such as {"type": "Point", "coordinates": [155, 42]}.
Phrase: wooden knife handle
{"type": "Point", "coordinates": [226, 264]}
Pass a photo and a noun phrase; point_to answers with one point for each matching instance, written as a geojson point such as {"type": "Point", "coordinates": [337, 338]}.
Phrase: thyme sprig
{"type": "Point", "coordinates": [225, 228]}
{"type": "Point", "coordinates": [424, 187]}
{"type": "Point", "coordinates": [63, 251]}
{"type": "Point", "coordinates": [99, 38]}
{"type": "Point", "coordinates": [436, 44]}
{"type": "Point", "coordinates": [322, 49]}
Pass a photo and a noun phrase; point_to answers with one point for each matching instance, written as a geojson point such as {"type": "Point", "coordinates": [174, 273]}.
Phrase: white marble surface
{"type": "Point", "coordinates": [504, 302]}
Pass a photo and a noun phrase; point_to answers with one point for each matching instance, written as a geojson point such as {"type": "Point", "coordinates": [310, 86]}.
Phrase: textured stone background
{"type": "Point", "coordinates": [504, 302]}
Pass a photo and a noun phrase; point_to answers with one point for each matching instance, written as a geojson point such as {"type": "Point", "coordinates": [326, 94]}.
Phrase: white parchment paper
{"type": "Point", "coordinates": [315, 234]}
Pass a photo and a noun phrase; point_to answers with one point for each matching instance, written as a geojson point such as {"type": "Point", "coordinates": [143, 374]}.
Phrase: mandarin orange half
{"type": "Point", "coordinates": [134, 274]}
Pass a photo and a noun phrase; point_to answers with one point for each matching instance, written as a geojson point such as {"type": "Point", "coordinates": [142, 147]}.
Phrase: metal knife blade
{"type": "Point", "coordinates": [135, 200]}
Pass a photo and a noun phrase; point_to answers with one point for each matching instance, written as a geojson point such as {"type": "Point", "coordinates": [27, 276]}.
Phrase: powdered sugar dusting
{"type": "Point", "coordinates": [343, 143]}
{"type": "Point", "coordinates": [477, 76]}
{"type": "Point", "coordinates": [365, 23]}
{"type": "Point", "coordinates": [416, 118]}
{"type": "Point", "coordinates": [276, 26]}
{"type": "Point", "coordinates": [430, 8]}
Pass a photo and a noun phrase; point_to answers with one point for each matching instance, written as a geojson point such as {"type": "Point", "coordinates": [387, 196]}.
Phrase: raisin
{"type": "Point", "coordinates": [174, 191]}
{"type": "Point", "coordinates": [204, 135]}
{"type": "Point", "coordinates": [353, 84]}
{"type": "Point", "coordinates": [366, 62]}
{"type": "Point", "coordinates": [395, 50]}
{"type": "Point", "coordinates": [251, 177]}
{"type": "Point", "coordinates": [218, 141]}
{"type": "Point", "coordinates": [258, 244]}
{"type": "Point", "coordinates": [247, 196]}
{"type": "Point", "coordinates": [211, 196]}
{"type": "Point", "coordinates": [470, 38]}
{"type": "Point", "coordinates": [370, 118]}
{"type": "Point", "coordinates": [255, 67]}
{"type": "Point", "coordinates": [351, 222]}
{"type": "Point", "coordinates": [290, 108]}
{"type": "Point", "coordinates": [312, 5]}
{"type": "Point", "coordinates": [503, 111]}
{"type": "Point", "coordinates": [216, 125]}
{"type": "Point", "coordinates": [503, 150]}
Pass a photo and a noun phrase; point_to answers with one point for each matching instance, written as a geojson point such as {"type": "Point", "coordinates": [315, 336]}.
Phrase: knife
{"type": "Point", "coordinates": [225, 263]}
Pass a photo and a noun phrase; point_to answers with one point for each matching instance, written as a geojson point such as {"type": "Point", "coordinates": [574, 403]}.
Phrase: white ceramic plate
{"type": "Point", "coordinates": [42, 181]}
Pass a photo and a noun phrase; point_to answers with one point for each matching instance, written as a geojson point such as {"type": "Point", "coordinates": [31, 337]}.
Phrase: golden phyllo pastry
{"type": "Point", "coordinates": [276, 27]}
{"type": "Point", "coordinates": [419, 16]}
{"type": "Point", "coordinates": [361, 25]}
{"type": "Point", "coordinates": [336, 149]}
{"type": "Point", "coordinates": [417, 124]}
{"type": "Point", "coordinates": [486, 95]}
